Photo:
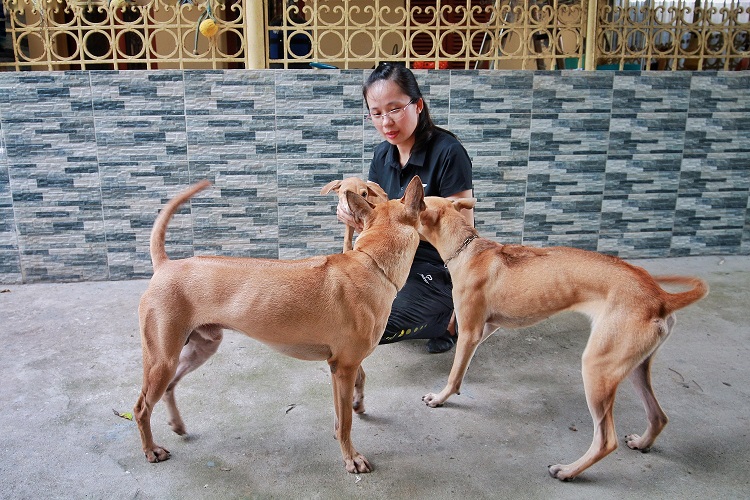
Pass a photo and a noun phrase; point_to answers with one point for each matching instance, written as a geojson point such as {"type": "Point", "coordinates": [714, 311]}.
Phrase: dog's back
{"type": "Point", "coordinates": [553, 279]}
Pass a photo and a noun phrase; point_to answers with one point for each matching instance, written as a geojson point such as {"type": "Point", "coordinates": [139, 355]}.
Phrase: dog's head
{"type": "Point", "coordinates": [441, 215]}
{"type": "Point", "coordinates": [369, 190]}
{"type": "Point", "coordinates": [390, 234]}
{"type": "Point", "coordinates": [407, 209]}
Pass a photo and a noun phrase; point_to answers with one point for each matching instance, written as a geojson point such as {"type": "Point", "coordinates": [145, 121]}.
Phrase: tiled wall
{"type": "Point", "coordinates": [634, 164]}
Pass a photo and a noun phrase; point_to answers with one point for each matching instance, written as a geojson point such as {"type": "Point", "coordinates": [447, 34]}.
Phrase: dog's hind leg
{"type": "Point", "coordinates": [602, 373]}
{"type": "Point", "coordinates": [641, 379]}
{"type": "Point", "coordinates": [202, 344]}
{"type": "Point", "coordinates": [657, 419]}
{"type": "Point", "coordinates": [358, 404]}
{"type": "Point", "coordinates": [156, 377]}
{"type": "Point", "coordinates": [333, 367]}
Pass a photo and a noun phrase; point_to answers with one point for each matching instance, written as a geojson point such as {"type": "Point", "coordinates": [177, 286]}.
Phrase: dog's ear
{"type": "Point", "coordinates": [377, 191]}
{"type": "Point", "coordinates": [414, 197]}
{"type": "Point", "coordinates": [464, 203]}
{"type": "Point", "coordinates": [331, 186]}
{"type": "Point", "coordinates": [361, 208]}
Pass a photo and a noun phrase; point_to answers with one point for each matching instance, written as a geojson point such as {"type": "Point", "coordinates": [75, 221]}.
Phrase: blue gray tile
{"type": "Point", "coordinates": [481, 92]}
{"type": "Point", "coordinates": [132, 195]}
{"type": "Point", "coordinates": [314, 93]}
{"type": "Point", "coordinates": [141, 139]}
{"type": "Point", "coordinates": [641, 164]}
{"type": "Point", "coordinates": [10, 264]}
{"type": "Point", "coordinates": [138, 93]}
{"type": "Point", "coordinates": [58, 212]}
{"type": "Point", "coordinates": [745, 245]}
{"type": "Point", "coordinates": [307, 219]}
{"type": "Point", "coordinates": [238, 215]}
{"type": "Point", "coordinates": [221, 93]}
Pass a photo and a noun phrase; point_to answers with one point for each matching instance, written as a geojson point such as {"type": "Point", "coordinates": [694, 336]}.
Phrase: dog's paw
{"type": "Point", "coordinates": [357, 464]}
{"type": "Point", "coordinates": [432, 400]}
{"type": "Point", "coordinates": [157, 454]}
{"type": "Point", "coordinates": [178, 427]}
{"type": "Point", "coordinates": [558, 472]}
{"type": "Point", "coordinates": [636, 442]}
{"type": "Point", "coordinates": [358, 405]}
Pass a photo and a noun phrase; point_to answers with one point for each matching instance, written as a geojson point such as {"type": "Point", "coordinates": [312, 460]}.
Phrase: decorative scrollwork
{"type": "Point", "coordinates": [122, 34]}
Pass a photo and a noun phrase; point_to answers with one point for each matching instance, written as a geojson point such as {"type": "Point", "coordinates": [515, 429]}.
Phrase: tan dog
{"type": "Point", "coordinates": [369, 190]}
{"type": "Point", "coordinates": [513, 286]}
{"type": "Point", "coordinates": [309, 309]}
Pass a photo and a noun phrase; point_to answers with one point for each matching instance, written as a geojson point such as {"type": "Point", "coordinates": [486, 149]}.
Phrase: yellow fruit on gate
{"type": "Point", "coordinates": [208, 28]}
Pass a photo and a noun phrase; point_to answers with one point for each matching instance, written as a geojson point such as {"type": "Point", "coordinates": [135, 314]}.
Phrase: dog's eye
{"type": "Point", "coordinates": [364, 194]}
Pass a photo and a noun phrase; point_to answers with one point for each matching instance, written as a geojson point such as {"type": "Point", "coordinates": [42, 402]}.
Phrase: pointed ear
{"type": "Point", "coordinates": [360, 208]}
{"type": "Point", "coordinates": [464, 203]}
{"type": "Point", "coordinates": [414, 197]}
{"type": "Point", "coordinates": [377, 191]}
{"type": "Point", "coordinates": [331, 186]}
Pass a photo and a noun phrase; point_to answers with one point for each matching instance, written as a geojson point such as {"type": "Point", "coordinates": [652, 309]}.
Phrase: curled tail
{"type": "Point", "coordinates": [675, 301]}
{"type": "Point", "coordinates": [158, 233]}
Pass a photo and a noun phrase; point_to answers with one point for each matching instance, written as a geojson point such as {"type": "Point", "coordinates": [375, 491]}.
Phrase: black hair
{"type": "Point", "coordinates": [404, 78]}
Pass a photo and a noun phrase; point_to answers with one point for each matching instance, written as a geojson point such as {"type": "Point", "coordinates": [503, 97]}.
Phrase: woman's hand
{"type": "Point", "coordinates": [344, 215]}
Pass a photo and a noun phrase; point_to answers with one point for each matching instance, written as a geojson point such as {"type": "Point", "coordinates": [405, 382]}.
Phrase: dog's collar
{"type": "Point", "coordinates": [460, 249]}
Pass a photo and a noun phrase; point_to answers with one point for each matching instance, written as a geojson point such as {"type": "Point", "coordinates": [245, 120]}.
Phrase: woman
{"type": "Point", "coordinates": [414, 145]}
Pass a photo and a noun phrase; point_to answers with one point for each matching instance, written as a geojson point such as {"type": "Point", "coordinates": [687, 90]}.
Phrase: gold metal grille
{"type": "Point", "coordinates": [675, 35]}
{"type": "Point", "coordinates": [59, 35]}
{"type": "Point", "coordinates": [457, 34]}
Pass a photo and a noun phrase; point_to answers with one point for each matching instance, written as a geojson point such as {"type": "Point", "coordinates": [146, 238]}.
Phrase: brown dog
{"type": "Point", "coordinates": [309, 309]}
{"type": "Point", "coordinates": [371, 191]}
{"type": "Point", "coordinates": [513, 286]}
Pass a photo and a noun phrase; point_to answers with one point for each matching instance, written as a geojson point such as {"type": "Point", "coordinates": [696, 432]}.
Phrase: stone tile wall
{"type": "Point", "coordinates": [628, 163]}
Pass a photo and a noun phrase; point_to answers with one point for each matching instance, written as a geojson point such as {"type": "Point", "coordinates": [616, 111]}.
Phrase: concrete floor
{"type": "Point", "coordinates": [260, 424]}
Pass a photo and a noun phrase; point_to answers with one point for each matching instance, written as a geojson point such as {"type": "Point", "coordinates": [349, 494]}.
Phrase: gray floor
{"type": "Point", "coordinates": [260, 424]}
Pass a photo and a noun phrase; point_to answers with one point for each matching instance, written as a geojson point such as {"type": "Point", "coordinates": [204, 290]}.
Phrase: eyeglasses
{"type": "Point", "coordinates": [394, 114]}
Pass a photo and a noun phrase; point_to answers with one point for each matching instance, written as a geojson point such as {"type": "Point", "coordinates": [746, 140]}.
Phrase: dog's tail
{"type": "Point", "coordinates": [158, 233]}
{"type": "Point", "coordinates": [675, 301]}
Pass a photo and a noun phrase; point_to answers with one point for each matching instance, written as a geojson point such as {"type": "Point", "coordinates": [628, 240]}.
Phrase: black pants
{"type": "Point", "coordinates": [423, 307]}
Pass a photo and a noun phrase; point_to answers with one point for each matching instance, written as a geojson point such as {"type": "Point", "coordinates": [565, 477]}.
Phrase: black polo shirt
{"type": "Point", "coordinates": [443, 165]}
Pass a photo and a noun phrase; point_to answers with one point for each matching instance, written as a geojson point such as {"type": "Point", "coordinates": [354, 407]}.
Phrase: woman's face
{"type": "Point", "coordinates": [396, 128]}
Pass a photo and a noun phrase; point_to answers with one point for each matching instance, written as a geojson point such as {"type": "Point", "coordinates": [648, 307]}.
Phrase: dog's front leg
{"type": "Point", "coordinates": [468, 341]}
{"type": "Point", "coordinates": [343, 391]}
{"type": "Point", "coordinates": [358, 404]}
{"type": "Point", "coordinates": [348, 238]}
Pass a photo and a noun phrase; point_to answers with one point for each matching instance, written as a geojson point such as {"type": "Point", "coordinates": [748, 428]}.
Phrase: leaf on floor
{"type": "Point", "coordinates": [126, 415]}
